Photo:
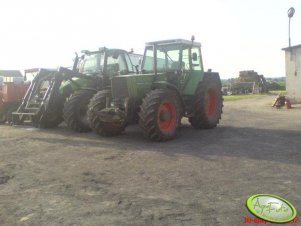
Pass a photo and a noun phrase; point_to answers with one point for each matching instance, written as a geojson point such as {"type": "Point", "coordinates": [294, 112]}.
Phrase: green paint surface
{"type": "Point", "coordinates": [191, 82]}
{"type": "Point", "coordinates": [78, 83]}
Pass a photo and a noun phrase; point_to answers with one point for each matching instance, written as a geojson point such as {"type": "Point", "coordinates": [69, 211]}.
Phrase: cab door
{"type": "Point", "coordinates": [192, 70]}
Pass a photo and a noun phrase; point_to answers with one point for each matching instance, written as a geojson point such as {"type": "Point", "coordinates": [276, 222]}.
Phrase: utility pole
{"type": "Point", "coordinates": [290, 13]}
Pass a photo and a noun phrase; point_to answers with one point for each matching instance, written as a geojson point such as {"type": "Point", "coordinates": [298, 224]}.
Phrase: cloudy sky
{"type": "Point", "coordinates": [235, 34]}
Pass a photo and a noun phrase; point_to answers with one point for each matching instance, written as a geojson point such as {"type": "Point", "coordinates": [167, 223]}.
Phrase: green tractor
{"type": "Point", "coordinates": [103, 65]}
{"type": "Point", "coordinates": [63, 95]}
{"type": "Point", "coordinates": [172, 85]}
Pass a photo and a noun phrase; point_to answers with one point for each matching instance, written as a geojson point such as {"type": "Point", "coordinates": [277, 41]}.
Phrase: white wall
{"type": "Point", "coordinates": [293, 73]}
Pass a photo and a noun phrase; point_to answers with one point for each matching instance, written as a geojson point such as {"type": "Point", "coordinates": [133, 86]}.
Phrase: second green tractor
{"type": "Point", "coordinates": [101, 65]}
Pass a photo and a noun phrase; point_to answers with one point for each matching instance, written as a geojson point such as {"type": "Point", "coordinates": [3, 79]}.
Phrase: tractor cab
{"type": "Point", "coordinates": [171, 55]}
{"type": "Point", "coordinates": [180, 60]}
{"type": "Point", "coordinates": [105, 62]}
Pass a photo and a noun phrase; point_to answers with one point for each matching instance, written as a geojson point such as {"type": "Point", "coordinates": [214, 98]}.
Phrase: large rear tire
{"type": "Point", "coordinates": [160, 115]}
{"type": "Point", "coordinates": [207, 103]}
{"type": "Point", "coordinates": [97, 103]}
{"type": "Point", "coordinates": [75, 111]}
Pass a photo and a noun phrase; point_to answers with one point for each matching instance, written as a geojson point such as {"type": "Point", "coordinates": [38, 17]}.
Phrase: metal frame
{"type": "Point", "coordinates": [174, 41]}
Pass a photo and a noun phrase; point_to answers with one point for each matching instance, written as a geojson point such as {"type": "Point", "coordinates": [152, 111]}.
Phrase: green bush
{"type": "Point", "coordinates": [281, 85]}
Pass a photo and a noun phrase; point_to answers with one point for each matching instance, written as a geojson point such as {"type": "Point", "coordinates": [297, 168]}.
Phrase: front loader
{"type": "Point", "coordinates": [172, 85]}
{"type": "Point", "coordinates": [43, 102]}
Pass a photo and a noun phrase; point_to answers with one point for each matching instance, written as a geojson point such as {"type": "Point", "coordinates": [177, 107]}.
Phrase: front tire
{"type": "Point", "coordinates": [97, 103]}
{"type": "Point", "coordinates": [160, 115]}
{"type": "Point", "coordinates": [207, 103]}
{"type": "Point", "coordinates": [75, 111]}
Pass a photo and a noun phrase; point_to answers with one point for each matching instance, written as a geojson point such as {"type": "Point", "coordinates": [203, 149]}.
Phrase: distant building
{"type": "Point", "coordinates": [10, 76]}
{"type": "Point", "coordinates": [293, 72]}
{"type": "Point", "coordinates": [10, 73]}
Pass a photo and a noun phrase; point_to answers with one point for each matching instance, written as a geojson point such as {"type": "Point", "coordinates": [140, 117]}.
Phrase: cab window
{"type": "Point", "coordinates": [129, 63]}
{"type": "Point", "coordinates": [168, 58]}
{"type": "Point", "coordinates": [148, 61]}
{"type": "Point", "coordinates": [185, 59]}
{"type": "Point", "coordinates": [116, 64]}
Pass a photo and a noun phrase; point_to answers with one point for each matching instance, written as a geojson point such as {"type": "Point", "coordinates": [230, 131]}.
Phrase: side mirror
{"type": "Point", "coordinates": [194, 57]}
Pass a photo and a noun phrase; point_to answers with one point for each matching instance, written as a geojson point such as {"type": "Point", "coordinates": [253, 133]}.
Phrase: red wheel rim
{"type": "Point", "coordinates": [211, 103]}
{"type": "Point", "coordinates": [167, 116]}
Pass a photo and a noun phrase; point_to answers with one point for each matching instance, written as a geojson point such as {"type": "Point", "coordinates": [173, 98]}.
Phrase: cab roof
{"type": "Point", "coordinates": [173, 41]}
{"type": "Point", "coordinates": [101, 49]}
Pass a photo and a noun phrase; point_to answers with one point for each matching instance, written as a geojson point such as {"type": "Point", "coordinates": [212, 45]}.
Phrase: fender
{"type": "Point", "coordinates": [168, 85]}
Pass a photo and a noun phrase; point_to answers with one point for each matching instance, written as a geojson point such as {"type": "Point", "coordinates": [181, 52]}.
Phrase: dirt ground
{"type": "Point", "coordinates": [57, 177]}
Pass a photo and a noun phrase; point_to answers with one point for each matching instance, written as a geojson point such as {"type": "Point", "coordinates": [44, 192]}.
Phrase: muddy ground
{"type": "Point", "coordinates": [57, 177]}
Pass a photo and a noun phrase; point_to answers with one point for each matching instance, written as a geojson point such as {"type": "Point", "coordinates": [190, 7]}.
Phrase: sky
{"type": "Point", "coordinates": [235, 34]}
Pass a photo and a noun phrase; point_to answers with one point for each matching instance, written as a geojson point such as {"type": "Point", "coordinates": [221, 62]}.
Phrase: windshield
{"type": "Point", "coordinates": [91, 64]}
{"type": "Point", "coordinates": [168, 57]}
